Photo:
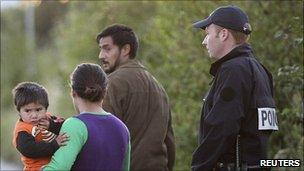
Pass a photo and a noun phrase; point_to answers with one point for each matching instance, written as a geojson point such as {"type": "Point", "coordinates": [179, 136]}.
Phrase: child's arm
{"type": "Point", "coordinates": [55, 126]}
{"type": "Point", "coordinates": [26, 145]}
{"type": "Point", "coordinates": [52, 124]}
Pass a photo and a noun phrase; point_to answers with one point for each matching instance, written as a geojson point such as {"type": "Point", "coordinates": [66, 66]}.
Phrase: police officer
{"type": "Point", "coordinates": [238, 114]}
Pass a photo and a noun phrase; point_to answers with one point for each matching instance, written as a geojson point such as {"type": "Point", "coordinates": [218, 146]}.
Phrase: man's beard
{"type": "Point", "coordinates": [111, 68]}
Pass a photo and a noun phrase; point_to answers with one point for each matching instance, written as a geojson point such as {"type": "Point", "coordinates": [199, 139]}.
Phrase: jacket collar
{"type": "Point", "coordinates": [131, 63]}
{"type": "Point", "coordinates": [243, 50]}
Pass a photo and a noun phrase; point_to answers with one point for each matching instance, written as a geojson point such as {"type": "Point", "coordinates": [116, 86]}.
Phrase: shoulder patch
{"type": "Point", "coordinates": [227, 94]}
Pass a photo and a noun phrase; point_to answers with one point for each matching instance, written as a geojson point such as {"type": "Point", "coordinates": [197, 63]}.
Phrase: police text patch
{"type": "Point", "coordinates": [267, 119]}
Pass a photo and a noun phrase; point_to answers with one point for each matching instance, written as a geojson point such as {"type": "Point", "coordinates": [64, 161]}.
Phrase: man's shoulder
{"type": "Point", "coordinates": [240, 65]}
{"type": "Point", "coordinates": [119, 76]}
{"type": "Point", "coordinates": [239, 62]}
{"type": "Point", "coordinates": [120, 80]}
{"type": "Point", "coordinates": [126, 74]}
{"type": "Point", "coordinates": [118, 73]}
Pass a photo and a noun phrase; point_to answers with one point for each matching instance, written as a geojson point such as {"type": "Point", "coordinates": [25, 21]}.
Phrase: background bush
{"type": "Point", "coordinates": [171, 50]}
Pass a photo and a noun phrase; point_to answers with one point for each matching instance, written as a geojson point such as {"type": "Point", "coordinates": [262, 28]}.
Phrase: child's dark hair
{"type": "Point", "coordinates": [30, 92]}
{"type": "Point", "coordinates": [89, 81]}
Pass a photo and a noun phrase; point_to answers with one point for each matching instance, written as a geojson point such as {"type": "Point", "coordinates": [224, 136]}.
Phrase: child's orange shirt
{"type": "Point", "coordinates": [30, 164]}
{"type": "Point", "coordinates": [36, 147]}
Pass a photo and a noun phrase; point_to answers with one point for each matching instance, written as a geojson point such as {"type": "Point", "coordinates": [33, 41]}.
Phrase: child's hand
{"type": "Point", "coordinates": [44, 124]}
{"type": "Point", "coordinates": [62, 139]}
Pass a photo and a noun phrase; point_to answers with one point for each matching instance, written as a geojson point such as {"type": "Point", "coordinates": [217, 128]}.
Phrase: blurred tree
{"type": "Point", "coordinates": [12, 50]}
{"type": "Point", "coordinates": [46, 16]}
{"type": "Point", "coordinates": [171, 49]}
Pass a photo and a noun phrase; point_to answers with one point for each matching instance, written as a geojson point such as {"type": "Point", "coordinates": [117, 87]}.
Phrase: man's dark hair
{"type": "Point", "coordinates": [121, 35]}
{"type": "Point", "coordinates": [89, 81]}
{"type": "Point", "coordinates": [30, 92]}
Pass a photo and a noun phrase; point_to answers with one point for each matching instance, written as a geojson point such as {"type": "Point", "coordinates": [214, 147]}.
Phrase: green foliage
{"type": "Point", "coordinates": [171, 50]}
{"type": "Point", "coordinates": [12, 49]}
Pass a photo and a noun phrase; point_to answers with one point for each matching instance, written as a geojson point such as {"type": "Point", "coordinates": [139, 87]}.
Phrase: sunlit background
{"type": "Point", "coordinates": [43, 41]}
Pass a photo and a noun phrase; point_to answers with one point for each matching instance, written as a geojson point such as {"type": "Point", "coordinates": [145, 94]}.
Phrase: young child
{"type": "Point", "coordinates": [35, 132]}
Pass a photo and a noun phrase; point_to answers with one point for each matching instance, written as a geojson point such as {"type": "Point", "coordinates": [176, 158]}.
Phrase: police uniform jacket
{"type": "Point", "coordinates": [241, 88]}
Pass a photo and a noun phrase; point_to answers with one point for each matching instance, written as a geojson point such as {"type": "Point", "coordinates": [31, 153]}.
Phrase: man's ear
{"type": "Point", "coordinates": [125, 50]}
{"type": "Point", "coordinates": [224, 34]}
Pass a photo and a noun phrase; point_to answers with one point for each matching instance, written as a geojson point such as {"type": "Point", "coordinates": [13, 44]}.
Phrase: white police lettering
{"type": "Point", "coordinates": [267, 119]}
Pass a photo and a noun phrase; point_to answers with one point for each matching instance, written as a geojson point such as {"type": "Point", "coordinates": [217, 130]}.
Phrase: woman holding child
{"type": "Point", "coordinates": [97, 139]}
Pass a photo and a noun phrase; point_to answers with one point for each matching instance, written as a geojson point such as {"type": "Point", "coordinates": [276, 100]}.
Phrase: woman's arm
{"type": "Point", "coordinates": [64, 157]}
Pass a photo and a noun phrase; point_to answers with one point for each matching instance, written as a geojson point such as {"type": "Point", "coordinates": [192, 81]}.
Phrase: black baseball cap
{"type": "Point", "coordinates": [230, 17]}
